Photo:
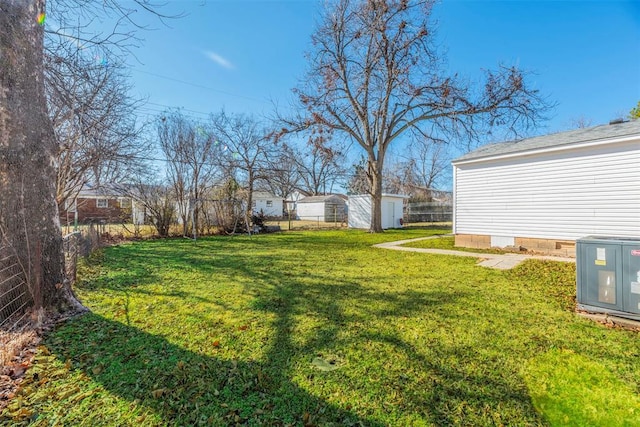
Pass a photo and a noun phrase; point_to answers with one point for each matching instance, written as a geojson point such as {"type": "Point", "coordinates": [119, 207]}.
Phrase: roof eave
{"type": "Point", "coordinates": [544, 150]}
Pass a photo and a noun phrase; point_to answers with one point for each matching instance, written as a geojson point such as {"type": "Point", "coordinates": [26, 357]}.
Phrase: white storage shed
{"type": "Point", "coordinates": [329, 208]}
{"type": "Point", "coordinates": [543, 193]}
{"type": "Point", "coordinates": [272, 206]}
{"type": "Point", "coordinates": [360, 210]}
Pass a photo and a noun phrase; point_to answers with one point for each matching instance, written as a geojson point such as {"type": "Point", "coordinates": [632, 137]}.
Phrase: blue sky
{"type": "Point", "coordinates": [243, 54]}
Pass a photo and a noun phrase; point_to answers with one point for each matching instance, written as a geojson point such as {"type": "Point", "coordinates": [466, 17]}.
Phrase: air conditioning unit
{"type": "Point", "coordinates": [608, 275]}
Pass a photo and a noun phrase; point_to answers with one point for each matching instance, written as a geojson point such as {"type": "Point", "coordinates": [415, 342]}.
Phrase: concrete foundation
{"type": "Point", "coordinates": [554, 247]}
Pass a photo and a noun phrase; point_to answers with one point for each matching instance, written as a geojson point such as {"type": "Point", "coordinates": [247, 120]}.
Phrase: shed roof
{"type": "Point", "coordinates": [577, 136]}
{"type": "Point", "coordinates": [386, 195]}
{"type": "Point", "coordinates": [322, 199]}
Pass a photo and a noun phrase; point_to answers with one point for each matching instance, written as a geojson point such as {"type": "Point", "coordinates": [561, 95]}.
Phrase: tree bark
{"type": "Point", "coordinates": [375, 181]}
{"type": "Point", "coordinates": [29, 220]}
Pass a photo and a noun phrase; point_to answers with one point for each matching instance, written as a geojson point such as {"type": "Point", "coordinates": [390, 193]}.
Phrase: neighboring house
{"type": "Point", "coordinates": [329, 208]}
{"type": "Point", "coordinates": [99, 205]}
{"type": "Point", "coordinates": [360, 210]}
{"type": "Point", "coordinates": [272, 206]}
{"type": "Point", "coordinates": [543, 193]}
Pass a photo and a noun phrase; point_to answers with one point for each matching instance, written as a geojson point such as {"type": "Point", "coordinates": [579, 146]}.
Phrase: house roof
{"type": "Point", "coordinates": [568, 138]}
{"type": "Point", "coordinates": [264, 195]}
{"type": "Point", "coordinates": [103, 191]}
{"type": "Point", "coordinates": [322, 199]}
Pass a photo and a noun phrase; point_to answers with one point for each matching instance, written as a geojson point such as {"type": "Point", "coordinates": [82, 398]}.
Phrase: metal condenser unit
{"type": "Point", "coordinates": [608, 275]}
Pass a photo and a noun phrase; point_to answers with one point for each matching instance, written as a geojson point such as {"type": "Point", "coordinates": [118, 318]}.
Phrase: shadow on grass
{"type": "Point", "coordinates": [187, 388]}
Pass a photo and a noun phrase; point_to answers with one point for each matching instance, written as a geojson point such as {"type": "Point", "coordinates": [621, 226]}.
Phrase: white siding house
{"type": "Point", "coordinates": [360, 211]}
{"type": "Point", "coordinates": [270, 205]}
{"type": "Point", "coordinates": [543, 193]}
{"type": "Point", "coordinates": [330, 208]}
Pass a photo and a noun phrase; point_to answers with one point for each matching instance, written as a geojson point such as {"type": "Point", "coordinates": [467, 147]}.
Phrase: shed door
{"type": "Point", "coordinates": [388, 219]}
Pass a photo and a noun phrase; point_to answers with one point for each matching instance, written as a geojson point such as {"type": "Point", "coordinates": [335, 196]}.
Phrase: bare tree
{"type": "Point", "coordinates": [284, 175]}
{"type": "Point", "coordinates": [203, 156]}
{"type": "Point", "coordinates": [581, 122]}
{"type": "Point", "coordinates": [320, 169]}
{"type": "Point", "coordinates": [119, 33]}
{"type": "Point", "coordinates": [93, 119]}
{"type": "Point", "coordinates": [246, 150]}
{"type": "Point", "coordinates": [87, 93]}
{"type": "Point", "coordinates": [420, 172]}
{"type": "Point", "coordinates": [229, 212]}
{"type": "Point", "coordinates": [190, 150]}
{"type": "Point", "coordinates": [29, 220]}
{"type": "Point", "coordinates": [358, 182]}
{"type": "Point", "coordinates": [374, 75]}
{"type": "Point", "coordinates": [155, 198]}
{"type": "Point", "coordinates": [174, 133]}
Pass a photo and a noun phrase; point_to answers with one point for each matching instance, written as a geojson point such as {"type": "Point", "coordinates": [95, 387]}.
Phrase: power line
{"type": "Point", "coordinates": [201, 86]}
{"type": "Point", "coordinates": [153, 113]}
{"type": "Point", "coordinates": [180, 108]}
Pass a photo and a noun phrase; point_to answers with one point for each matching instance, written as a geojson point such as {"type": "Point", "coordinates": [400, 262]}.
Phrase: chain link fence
{"type": "Point", "coordinates": [77, 245]}
{"type": "Point", "coordinates": [17, 294]}
{"type": "Point", "coordinates": [429, 212]}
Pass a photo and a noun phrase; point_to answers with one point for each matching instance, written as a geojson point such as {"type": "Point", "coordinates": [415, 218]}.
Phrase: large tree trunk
{"type": "Point", "coordinates": [375, 181]}
{"type": "Point", "coordinates": [28, 212]}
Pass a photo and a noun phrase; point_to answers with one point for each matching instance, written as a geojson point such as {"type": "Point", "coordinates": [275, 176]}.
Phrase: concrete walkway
{"type": "Point", "coordinates": [499, 261]}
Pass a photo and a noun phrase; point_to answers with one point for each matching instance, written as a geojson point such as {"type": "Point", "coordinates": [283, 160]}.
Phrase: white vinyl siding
{"type": "Point", "coordinates": [311, 211]}
{"type": "Point", "coordinates": [330, 208]}
{"type": "Point", "coordinates": [360, 211]}
{"type": "Point", "coordinates": [271, 207]}
{"type": "Point", "coordinates": [558, 195]}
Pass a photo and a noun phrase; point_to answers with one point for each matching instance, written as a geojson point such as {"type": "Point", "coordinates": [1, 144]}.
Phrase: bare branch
{"type": "Point", "coordinates": [375, 75]}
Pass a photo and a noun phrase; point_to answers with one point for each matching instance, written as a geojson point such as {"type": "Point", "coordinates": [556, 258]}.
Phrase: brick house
{"type": "Point", "coordinates": [97, 206]}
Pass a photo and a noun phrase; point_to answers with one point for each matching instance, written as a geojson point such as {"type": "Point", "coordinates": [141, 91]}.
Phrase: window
{"type": "Point", "coordinates": [269, 203]}
{"type": "Point", "coordinates": [102, 203]}
{"type": "Point", "coordinates": [125, 203]}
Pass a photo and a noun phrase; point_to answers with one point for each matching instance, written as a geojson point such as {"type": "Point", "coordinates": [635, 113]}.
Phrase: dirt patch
{"type": "Point", "coordinates": [611, 321]}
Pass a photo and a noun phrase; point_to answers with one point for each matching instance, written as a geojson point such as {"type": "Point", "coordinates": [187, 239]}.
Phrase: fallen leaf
{"type": "Point", "coordinates": [21, 414]}
{"type": "Point", "coordinates": [16, 372]}
{"type": "Point", "coordinates": [216, 343]}
{"type": "Point", "coordinates": [323, 365]}
{"type": "Point", "coordinates": [158, 393]}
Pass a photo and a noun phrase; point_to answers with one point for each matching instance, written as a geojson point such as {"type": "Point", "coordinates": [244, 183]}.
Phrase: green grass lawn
{"type": "Point", "coordinates": [448, 242]}
{"type": "Point", "coordinates": [319, 328]}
